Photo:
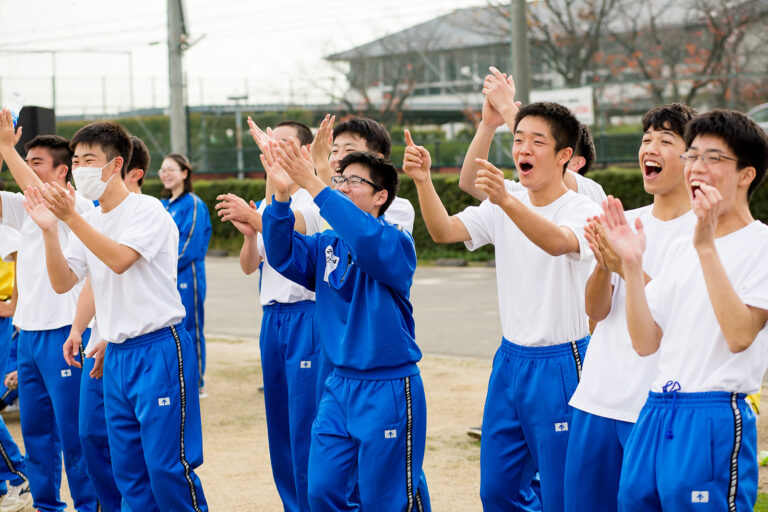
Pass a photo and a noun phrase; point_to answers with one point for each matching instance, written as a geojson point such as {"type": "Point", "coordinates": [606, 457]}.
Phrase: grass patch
{"type": "Point", "coordinates": [762, 502]}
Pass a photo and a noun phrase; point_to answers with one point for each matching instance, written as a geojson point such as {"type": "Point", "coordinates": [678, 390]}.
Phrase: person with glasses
{"type": "Point", "coordinates": [695, 440]}
{"type": "Point", "coordinates": [615, 380]}
{"type": "Point", "coordinates": [370, 429]}
{"type": "Point", "coordinates": [288, 345]}
{"type": "Point", "coordinates": [194, 222]}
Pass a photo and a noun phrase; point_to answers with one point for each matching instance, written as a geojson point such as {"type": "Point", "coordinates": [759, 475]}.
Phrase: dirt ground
{"type": "Point", "coordinates": [236, 474]}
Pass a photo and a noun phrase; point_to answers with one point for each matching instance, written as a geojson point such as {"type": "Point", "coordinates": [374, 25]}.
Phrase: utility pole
{"type": "Point", "coordinates": [520, 50]}
{"type": "Point", "coordinates": [176, 40]}
{"type": "Point", "coordinates": [239, 133]}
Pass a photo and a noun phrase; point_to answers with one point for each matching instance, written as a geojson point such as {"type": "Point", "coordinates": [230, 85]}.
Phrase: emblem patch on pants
{"type": "Point", "coordinates": [66, 373]}
{"type": "Point", "coordinates": [390, 434]}
{"type": "Point", "coordinates": [561, 427]}
{"type": "Point", "coordinates": [306, 364]}
{"type": "Point", "coordinates": [700, 497]}
{"type": "Point", "coordinates": [164, 401]}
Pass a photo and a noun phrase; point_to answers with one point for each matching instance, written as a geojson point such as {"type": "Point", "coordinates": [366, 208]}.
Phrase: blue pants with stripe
{"type": "Point", "coordinates": [152, 409]}
{"type": "Point", "coordinates": [593, 464]}
{"type": "Point", "coordinates": [93, 437]}
{"type": "Point", "coordinates": [527, 416]}
{"type": "Point", "coordinates": [375, 429]}
{"type": "Point", "coordinates": [192, 286]}
{"type": "Point", "coordinates": [49, 398]}
{"type": "Point", "coordinates": [289, 362]}
{"type": "Point", "coordinates": [8, 334]}
{"type": "Point", "coordinates": [691, 451]}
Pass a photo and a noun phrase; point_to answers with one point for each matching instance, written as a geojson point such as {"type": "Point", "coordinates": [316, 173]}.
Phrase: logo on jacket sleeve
{"type": "Point", "coordinates": [331, 262]}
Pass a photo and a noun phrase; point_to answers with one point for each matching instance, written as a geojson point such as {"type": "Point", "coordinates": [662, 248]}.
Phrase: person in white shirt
{"type": "Point", "coordinates": [127, 247]}
{"type": "Point", "coordinates": [48, 387]}
{"type": "Point", "coordinates": [695, 439]}
{"type": "Point", "coordinates": [291, 356]}
{"type": "Point", "coordinates": [615, 380]}
{"type": "Point", "coordinates": [543, 261]}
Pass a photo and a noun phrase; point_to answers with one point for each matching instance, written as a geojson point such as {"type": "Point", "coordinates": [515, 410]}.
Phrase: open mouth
{"type": "Point", "coordinates": [695, 187]}
{"type": "Point", "coordinates": [525, 167]}
{"type": "Point", "coordinates": [651, 169]}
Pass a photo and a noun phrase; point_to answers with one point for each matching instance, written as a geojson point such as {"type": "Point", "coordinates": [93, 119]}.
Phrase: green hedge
{"type": "Point", "coordinates": [626, 184]}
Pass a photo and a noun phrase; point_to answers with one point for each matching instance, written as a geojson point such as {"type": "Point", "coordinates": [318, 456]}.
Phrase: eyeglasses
{"type": "Point", "coordinates": [352, 181]}
{"type": "Point", "coordinates": [708, 157]}
{"type": "Point", "coordinates": [167, 170]}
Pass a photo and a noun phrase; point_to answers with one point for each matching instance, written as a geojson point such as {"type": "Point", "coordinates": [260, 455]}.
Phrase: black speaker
{"type": "Point", "coordinates": [35, 121]}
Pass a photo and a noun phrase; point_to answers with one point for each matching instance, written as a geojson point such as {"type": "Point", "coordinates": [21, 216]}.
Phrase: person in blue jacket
{"type": "Point", "coordinates": [371, 420]}
{"type": "Point", "coordinates": [194, 222]}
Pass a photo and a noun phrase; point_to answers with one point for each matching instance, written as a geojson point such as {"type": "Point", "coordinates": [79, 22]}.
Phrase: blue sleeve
{"type": "Point", "coordinates": [381, 250]}
{"type": "Point", "coordinates": [196, 232]}
{"type": "Point", "coordinates": [292, 254]}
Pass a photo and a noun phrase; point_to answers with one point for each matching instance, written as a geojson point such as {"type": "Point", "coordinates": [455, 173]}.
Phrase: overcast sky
{"type": "Point", "coordinates": [273, 51]}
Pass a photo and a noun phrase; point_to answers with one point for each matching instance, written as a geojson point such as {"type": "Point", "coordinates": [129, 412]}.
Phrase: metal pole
{"type": "Point", "coordinates": [239, 142]}
{"type": "Point", "coordinates": [176, 79]}
{"type": "Point", "coordinates": [53, 80]}
{"type": "Point", "coordinates": [520, 50]}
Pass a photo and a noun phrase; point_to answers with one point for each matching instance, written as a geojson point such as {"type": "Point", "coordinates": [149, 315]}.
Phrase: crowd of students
{"type": "Point", "coordinates": [630, 339]}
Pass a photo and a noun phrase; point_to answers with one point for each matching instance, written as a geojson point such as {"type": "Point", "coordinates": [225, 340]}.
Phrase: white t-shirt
{"type": "Point", "coordinates": [584, 186]}
{"type": "Point", "coordinates": [541, 297]}
{"type": "Point", "coordinates": [693, 350]}
{"type": "Point", "coordinates": [615, 380]}
{"type": "Point", "coordinates": [39, 307]}
{"type": "Point", "coordinates": [9, 242]}
{"type": "Point", "coordinates": [401, 213]}
{"type": "Point", "coordinates": [144, 298]}
{"type": "Point", "coordinates": [275, 287]}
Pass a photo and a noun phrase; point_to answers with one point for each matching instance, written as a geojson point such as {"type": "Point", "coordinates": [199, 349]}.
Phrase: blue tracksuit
{"type": "Point", "coordinates": [194, 223]}
{"type": "Point", "coordinates": [49, 395]}
{"type": "Point", "coordinates": [372, 416]}
{"type": "Point", "coordinates": [94, 439]}
{"type": "Point", "coordinates": [9, 336]}
{"type": "Point", "coordinates": [154, 421]}
{"type": "Point", "coordinates": [691, 451]}
{"type": "Point", "coordinates": [12, 466]}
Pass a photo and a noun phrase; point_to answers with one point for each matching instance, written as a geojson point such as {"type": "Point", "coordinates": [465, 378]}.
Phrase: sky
{"type": "Point", "coordinates": [271, 51]}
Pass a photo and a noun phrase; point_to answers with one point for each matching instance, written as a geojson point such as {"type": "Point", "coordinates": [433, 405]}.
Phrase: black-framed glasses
{"type": "Point", "coordinates": [708, 157]}
{"type": "Point", "coordinates": [352, 181]}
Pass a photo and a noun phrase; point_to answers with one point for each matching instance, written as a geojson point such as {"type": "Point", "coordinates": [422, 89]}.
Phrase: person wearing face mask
{"type": "Point", "coordinates": [194, 223]}
{"type": "Point", "coordinates": [48, 387]}
{"type": "Point", "coordinates": [127, 246]}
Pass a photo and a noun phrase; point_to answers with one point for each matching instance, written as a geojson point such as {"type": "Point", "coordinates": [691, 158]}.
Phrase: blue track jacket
{"type": "Point", "coordinates": [361, 272]}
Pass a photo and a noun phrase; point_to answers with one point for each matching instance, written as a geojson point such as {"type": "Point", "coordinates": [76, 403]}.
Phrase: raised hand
{"type": "Point", "coordinates": [7, 136]}
{"type": "Point", "coordinates": [610, 256]}
{"type": "Point", "coordinates": [417, 160]}
{"type": "Point", "coordinates": [296, 161]}
{"type": "Point", "coordinates": [59, 200]}
{"type": "Point", "coordinates": [629, 245]}
{"type": "Point", "coordinates": [320, 149]}
{"type": "Point", "coordinates": [259, 136]}
{"type": "Point", "coordinates": [500, 91]}
{"type": "Point", "coordinates": [706, 207]}
{"type": "Point", "coordinates": [38, 209]}
{"type": "Point", "coordinates": [590, 233]}
{"type": "Point", "coordinates": [491, 116]}
{"type": "Point", "coordinates": [490, 181]}
{"type": "Point", "coordinates": [234, 209]}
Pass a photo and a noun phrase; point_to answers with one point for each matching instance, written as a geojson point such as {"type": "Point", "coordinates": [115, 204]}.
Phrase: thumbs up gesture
{"type": "Point", "coordinates": [416, 161]}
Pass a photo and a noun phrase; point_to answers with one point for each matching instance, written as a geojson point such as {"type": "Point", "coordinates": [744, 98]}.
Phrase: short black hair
{"type": "Point", "coordinates": [185, 165]}
{"type": "Point", "coordinates": [383, 173]}
{"type": "Point", "coordinates": [562, 123]}
{"type": "Point", "coordinates": [741, 134]}
{"type": "Point", "coordinates": [673, 117]}
{"type": "Point", "coordinates": [139, 158]}
{"type": "Point", "coordinates": [376, 137]}
{"type": "Point", "coordinates": [58, 147]}
{"type": "Point", "coordinates": [112, 138]}
{"type": "Point", "coordinates": [303, 133]}
{"type": "Point", "coordinates": [585, 149]}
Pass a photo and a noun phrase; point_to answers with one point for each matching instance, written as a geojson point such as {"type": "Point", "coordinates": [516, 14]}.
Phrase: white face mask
{"type": "Point", "coordinates": [88, 181]}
